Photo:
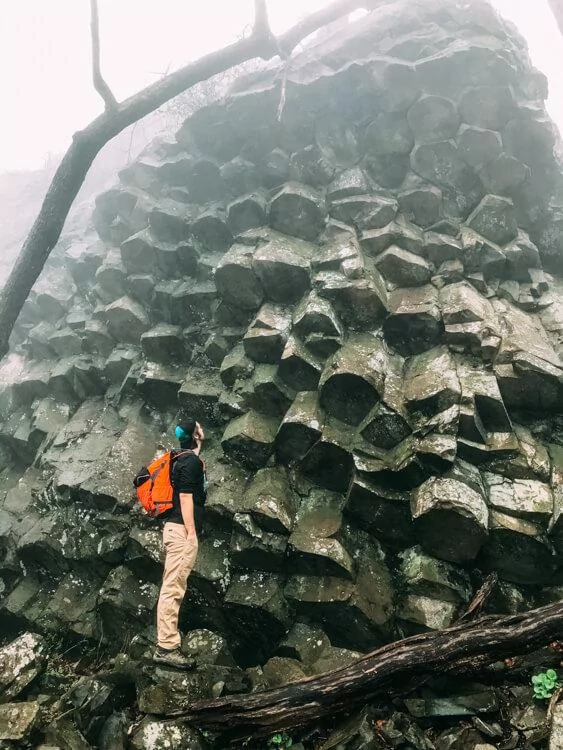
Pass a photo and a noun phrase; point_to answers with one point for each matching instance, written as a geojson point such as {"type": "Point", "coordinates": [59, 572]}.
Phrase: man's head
{"type": "Point", "coordinates": [189, 432]}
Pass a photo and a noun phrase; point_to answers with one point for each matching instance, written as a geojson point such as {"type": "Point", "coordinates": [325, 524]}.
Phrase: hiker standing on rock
{"type": "Point", "coordinates": [182, 526]}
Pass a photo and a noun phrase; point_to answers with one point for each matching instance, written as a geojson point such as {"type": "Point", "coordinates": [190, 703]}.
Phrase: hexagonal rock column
{"type": "Point", "coordinates": [519, 550]}
{"type": "Point", "coordinates": [431, 382]}
{"type": "Point", "coordinates": [300, 429]}
{"type": "Point", "coordinates": [414, 323]}
{"type": "Point", "coordinates": [199, 395]}
{"type": "Point", "coordinates": [270, 501]}
{"type": "Point", "coordinates": [313, 547]}
{"type": "Point", "coordinates": [126, 320]}
{"type": "Point", "coordinates": [298, 210]}
{"type": "Point", "coordinates": [164, 343]}
{"type": "Point", "coordinates": [283, 267]}
{"type": "Point", "coordinates": [257, 613]}
{"type": "Point", "coordinates": [451, 515]}
{"type": "Point", "coordinates": [381, 511]}
{"type": "Point", "coordinates": [403, 268]}
{"type": "Point", "coordinates": [236, 281]}
{"type": "Point", "coordinates": [266, 337]}
{"type": "Point", "coordinates": [315, 320]}
{"type": "Point", "coordinates": [360, 303]}
{"type": "Point", "coordinates": [353, 378]}
{"type": "Point", "coordinates": [249, 439]}
{"type": "Point", "coordinates": [494, 218]}
{"type": "Point", "coordinates": [329, 463]}
{"type": "Point", "coordinates": [247, 212]}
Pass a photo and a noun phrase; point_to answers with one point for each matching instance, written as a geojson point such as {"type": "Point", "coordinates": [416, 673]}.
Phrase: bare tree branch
{"type": "Point", "coordinates": [99, 83]}
{"type": "Point", "coordinates": [87, 143]}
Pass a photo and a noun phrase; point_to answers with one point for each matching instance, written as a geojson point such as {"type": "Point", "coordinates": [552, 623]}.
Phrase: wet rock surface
{"type": "Point", "coordinates": [362, 303]}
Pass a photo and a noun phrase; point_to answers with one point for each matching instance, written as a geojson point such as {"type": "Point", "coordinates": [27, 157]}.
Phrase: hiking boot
{"type": "Point", "coordinates": [172, 658]}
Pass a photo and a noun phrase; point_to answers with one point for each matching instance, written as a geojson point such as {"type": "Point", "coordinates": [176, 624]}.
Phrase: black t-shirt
{"type": "Point", "coordinates": [188, 476]}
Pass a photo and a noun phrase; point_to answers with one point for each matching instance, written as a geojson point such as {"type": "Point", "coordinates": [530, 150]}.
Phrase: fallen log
{"type": "Point", "coordinates": [301, 703]}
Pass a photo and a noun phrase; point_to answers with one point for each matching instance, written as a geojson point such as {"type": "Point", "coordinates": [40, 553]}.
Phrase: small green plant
{"type": "Point", "coordinates": [545, 684]}
{"type": "Point", "coordinates": [280, 741]}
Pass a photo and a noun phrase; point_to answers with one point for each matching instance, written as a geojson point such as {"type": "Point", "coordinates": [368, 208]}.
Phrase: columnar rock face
{"type": "Point", "coordinates": [363, 303]}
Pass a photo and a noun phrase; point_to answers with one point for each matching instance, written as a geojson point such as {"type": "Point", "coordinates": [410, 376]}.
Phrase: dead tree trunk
{"type": "Point", "coordinates": [453, 649]}
{"type": "Point", "coordinates": [87, 143]}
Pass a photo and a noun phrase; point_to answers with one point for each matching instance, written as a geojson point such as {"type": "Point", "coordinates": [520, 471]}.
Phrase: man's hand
{"type": "Point", "coordinates": [198, 432]}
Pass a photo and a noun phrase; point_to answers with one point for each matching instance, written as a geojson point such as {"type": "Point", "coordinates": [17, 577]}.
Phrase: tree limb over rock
{"type": "Point", "coordinates": [88, 142]}
{"type": "Point", "coordinates": [459, 648]}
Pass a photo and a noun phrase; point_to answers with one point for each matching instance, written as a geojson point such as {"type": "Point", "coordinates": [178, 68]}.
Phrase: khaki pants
{"type": "Point", "coordinates": [180, 558]}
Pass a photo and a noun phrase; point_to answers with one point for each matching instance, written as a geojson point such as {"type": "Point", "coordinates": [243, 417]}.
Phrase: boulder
{"type": "Point", "coordinates": [304, 643]}
{"type": "Point", "coordinates": [426, 613]}
{"type": "Point", "coordinates": [451, 516]}
{"type": "Point", "coordinates": [152, 733]}
{"type": "Point", "coordinates": [298, 210]}
{"type": "Point", "coordinates": [247, 212]}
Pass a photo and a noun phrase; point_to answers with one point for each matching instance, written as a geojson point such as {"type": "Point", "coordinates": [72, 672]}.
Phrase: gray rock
{"type": "Point", "coordinates": [505, 174]}
{"type": "Point", "coordinates": [252, 548]}
{"type": "Point", "coordinates": [200, 395]}
{"type": "Point", "coordinates": [426, 613]}
{"type": "Point", "coordinates": [351, 182]}
{"type": "Point", "coordinates": [329, 462]}
{"type": "Point", "coordinates": [280, 671]}
{"type": "Point", "coordinates": [478, 146]}
{"type": "Point", "coordinates": [298, 368]}
{"type": "Point", "coordinates": [415, 322]}
{"type": "Point", "coordinates": [380, 510]}
{"type": "Point", "coordinates": [352, 381]}
{"type": "Point", "coordinates": [556, 736]}
{"type": "Point", "coordinates": [20, 663]}
{"type": "Point", "coordinates": [402, 267]}
{"type": "Point", "coordinates": [494, 219]}
{"type": "Point", "coordinates": [428, 577]}
{"type": "Point", "coordinates": [152, 734]}
{"type": "Point", "coordinates": [265, 392]}
{"type": "Point", "coordinates": [421, 205]}
{"type": "Point", "coordinates": [266, 338]}
{"type": "Point", "coordinates": [304, 643]}
{"type": "Point", "coordinates": [211, 230]}
{"type": "Point", "coordinates": [126, 320]}
{"type": "Point", "coordinates": [235, 366]}
{"type": "Point", "coordinates": [250, 439]}
{"type": "Point", "coordinates": [389, 133]}
{"type": "Point", "coordinates": [300, 429]}
{"type": "Point", "coordinates": [310, 165]}
{"type": "Point", "coordinates": [164, 343]}
{"type": "Point", "coordinates": [283, 268]}
{"type": "Point", "coordinates": [138, 253]}
{"type": "Point", "coordinates": [400, 233]}
{"type": "Point", "coordinates": [17, 720]}
{"type": "Point", "coordinates": [298, 210]}
{"type": "Point", "coordinates": [487, 106]}
{"type": "Point", "coordinates": [360, 303]}
{"type": "Point", "coordinates": [169, 221]}
{"type": "Point", "coordinates": [433, 118]}
{"type": "Point", "coordinates": [364, 211]}
{"type": "Point", "coordinates": [247, 212]}
{"type": "Point", "coordinates": [451, 518]}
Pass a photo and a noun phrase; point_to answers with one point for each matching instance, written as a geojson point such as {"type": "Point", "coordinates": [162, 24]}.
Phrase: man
{"type": "Point", "coordinates": [180, 536]}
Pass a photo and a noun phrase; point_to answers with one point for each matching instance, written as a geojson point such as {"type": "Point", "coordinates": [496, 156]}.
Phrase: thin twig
{"type": "Point", "coordinates": [99, 84]}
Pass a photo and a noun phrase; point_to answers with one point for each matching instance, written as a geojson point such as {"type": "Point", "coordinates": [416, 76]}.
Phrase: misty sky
{"type": "Point", "coordinates": [45, 78]}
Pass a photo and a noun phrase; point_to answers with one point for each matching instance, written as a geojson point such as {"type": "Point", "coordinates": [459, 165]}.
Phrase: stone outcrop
{"type": "Point", "coordinates": [363, 303]}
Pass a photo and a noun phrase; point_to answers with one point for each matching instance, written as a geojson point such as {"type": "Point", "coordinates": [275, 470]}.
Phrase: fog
{"type": "Point", "coordinates": [45, 57]}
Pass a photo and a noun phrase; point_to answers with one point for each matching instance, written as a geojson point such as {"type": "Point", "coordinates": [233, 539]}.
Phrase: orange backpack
{"type": "Point", "coordinates": [154, 484]}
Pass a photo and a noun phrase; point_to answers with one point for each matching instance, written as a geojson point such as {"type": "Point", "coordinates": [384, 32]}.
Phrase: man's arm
{"type": "Point", "coordinates": [187, 508]}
